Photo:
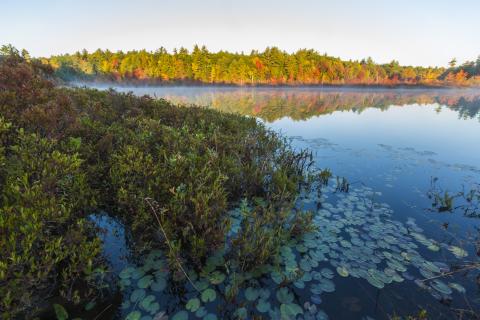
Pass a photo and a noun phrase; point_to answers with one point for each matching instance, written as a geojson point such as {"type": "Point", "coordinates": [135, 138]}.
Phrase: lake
{"type": "Point", "coordinates": [382, 248]}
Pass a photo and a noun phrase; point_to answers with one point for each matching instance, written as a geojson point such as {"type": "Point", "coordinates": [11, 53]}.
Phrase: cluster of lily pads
{"type": "Point", "coordinates": [355, 237]}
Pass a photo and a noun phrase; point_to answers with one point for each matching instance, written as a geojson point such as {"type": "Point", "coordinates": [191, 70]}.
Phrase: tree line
{"type": "Point", "coordinates": [270, 67]}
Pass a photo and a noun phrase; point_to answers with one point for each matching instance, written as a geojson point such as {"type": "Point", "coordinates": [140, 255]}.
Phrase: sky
{"type": "Point", "coordinates": [413, 32]}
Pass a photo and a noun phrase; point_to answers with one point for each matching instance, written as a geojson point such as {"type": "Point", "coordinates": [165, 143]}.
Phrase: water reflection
{"type": "Point", "coordinates": [271, 104]}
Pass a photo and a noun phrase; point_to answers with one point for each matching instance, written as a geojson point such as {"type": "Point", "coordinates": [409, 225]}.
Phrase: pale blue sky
{"type": "Point", "coordinates": [415, 32]}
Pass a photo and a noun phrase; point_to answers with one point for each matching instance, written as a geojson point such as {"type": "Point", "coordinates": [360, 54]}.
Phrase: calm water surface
{"type": "Point", "coordinates": [379, 244]}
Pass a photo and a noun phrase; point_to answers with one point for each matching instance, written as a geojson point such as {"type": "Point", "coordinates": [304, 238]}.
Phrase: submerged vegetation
{"type": "Point", "coordinates": [66, 153]}
{"type": "Point", "coordinates": [271, 67]}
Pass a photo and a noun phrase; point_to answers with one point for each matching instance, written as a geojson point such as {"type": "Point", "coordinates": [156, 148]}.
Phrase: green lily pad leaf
{"type": "Point", "coordinates": [125, 304]}
{"type": "Point", "coordinates": [458, 252]}
{"type": "Point", "coordinates": [263, 306]}
{"type": "Point", "coordinates": [342, 271]}
{"type": "Point", "coordinates": [264, 293]}
{"type": "Point", "coordinates": [137, 295]}
{"type": "Point", "coordinates": [277, 277]}
{"type": "Point", "coordinates": [145, 282]}
{"type": "Point", "coordinates": [126, 273]}
{"type": "Point", "coordinates": [284, 296]}
{"type": "Point", "coordinates": [241, 313]}
{"type": "Point", "coordinates": [60, 312]}
{"type": "Point", "coordinates": [217, 277]}
{"type": "Point", "coordinates": [457, 287]}
{"type": "Point", "coordinates": [153, 308]}
{"type": "Point", "coordinates": [201, 312]}
{"type": "Point", "coordinates": [193, 305]}
{"type": "Point", "coordinates": [210, 316]}
{"type": "Point", "coordinates": [138, 273]}
{"type": "Point", "coordinates": [145, 303]}
{"type": "Point", "coordinates": [377, 283]}
{"type": "Point", "coordinates": [441, 287]}
{"type": "Point", "coordinates": [290, 310]}
{"type": "Point", "coordinates": [89, 306]}
{"type": "Point", "coordinates": [134, 315]}
{"type": "Point", "coordinates": [251, 294]}
{"type": "Point", "coordinates": [305, 265]}
{"type": "Point", "coordinates": [201, 285]}
{"type": "Point", "coordinates": [180, 315]}
{"type": "Point", "coordinates": [159, 285]}
{"type": "Point", "coordinates": [209, 295]}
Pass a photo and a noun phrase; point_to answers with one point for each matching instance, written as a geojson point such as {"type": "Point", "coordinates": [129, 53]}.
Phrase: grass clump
{"type": "Point", "coordinates": [65, 153]}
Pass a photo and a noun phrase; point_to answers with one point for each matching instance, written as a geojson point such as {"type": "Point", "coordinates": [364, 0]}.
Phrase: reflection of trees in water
{"type": "Point", "coordinates": [273, 104]}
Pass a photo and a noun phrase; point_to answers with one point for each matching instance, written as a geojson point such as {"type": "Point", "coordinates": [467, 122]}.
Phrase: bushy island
{"type": "Point", "coordinates": [169, 173]}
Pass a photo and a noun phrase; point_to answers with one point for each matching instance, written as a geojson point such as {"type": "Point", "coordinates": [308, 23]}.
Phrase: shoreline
{"type": "Point", "coordinates": [141, 83]}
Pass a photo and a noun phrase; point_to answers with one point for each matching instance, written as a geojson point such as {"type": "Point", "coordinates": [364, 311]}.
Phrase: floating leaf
{"type": "Point", "coordinates": [210, 316]}
{"type": "Point", "coordinates": [241, 313]}
{"type": "Point", "coordinates": [89, 306]}
{"type": "Point", "coordinates": [145, 303]}
{"type": "Point", "coordinates": [209, 295]}
{"type": "Point", "coordinates": [134, 315]}
{"type": "Point", "coordinates": [159, 285]}
{"type": "Point", "coordinates": [263, 306]}
{"type": "Point", "coordinates": [137, 295]}
{"type": "Point", "coordinates": [284, 295]}
{"type": "Point", "coordinates": [251, 294]}
{"type": "Point", "coordinates": [441, 287]}
{"type": "Point", "coordinates": [201, 312]}
{"type": "Point", "coordinates": [290, 310]}
{"type": "Point", "coordinates": [458, 252]}
{"type": "Point", "coordinates": [145, 282]}
{"type": "Point", "coordinates": [277, 277]}
{"type": "Point", "coordinates": [180, 315]}
{"type": "Point", "coordinates": [342, 271]}
{"type": "Point", "coordinates": [60, 312]}
{"type": "Point", "coordinates": [126, 273]}
{"type": "Point", "coordinates": [137, 273]}
{"type": "Point", "coordinates": [217, 277]}
{"type": "Point", "coordinates": [457, 287]}
{"type": "Point", "coordinates": [193, 305]}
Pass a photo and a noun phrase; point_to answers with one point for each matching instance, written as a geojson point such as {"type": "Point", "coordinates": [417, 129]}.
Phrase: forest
{"type": "Point", "coordinates": [270, 67]}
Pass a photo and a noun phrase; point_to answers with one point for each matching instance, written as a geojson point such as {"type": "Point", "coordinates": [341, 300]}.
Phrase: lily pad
{"type": "Point", "coordinates": [134, 315]}
{"type": "Point", "coordinates": [251, 294]}
{"type": "Point", "coordinates": [145, 282]}
{"type": "Point", "coordinates": [193, 305]}
{"type": "Point", "coordinates": [290, 310]}
{"type": "Point", "coordinates": [284, 296]}
{"type": "Point", "coordinates": [441, 287]}
{"type": "Point", "coordinates": [457, 287]}
{"type": "Point", "coordinates": [458, 252]}
{"type": "Point", "coordinates": [137, 295]}
{"type": "Point", "coordinates": [180, 315]}
{"type": "Point", "coordinates": [342, 271]}
{"type": "Point", "coordinates": [209, 295]}
{"type": "Point", "coordinates": [263, 306]}
{"type": "Point", "coordinates": [217, 277]}
{"type": "Point", "coordinates": [201, 312]}
{"type": "Point", "coordinates": [159, 285]}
